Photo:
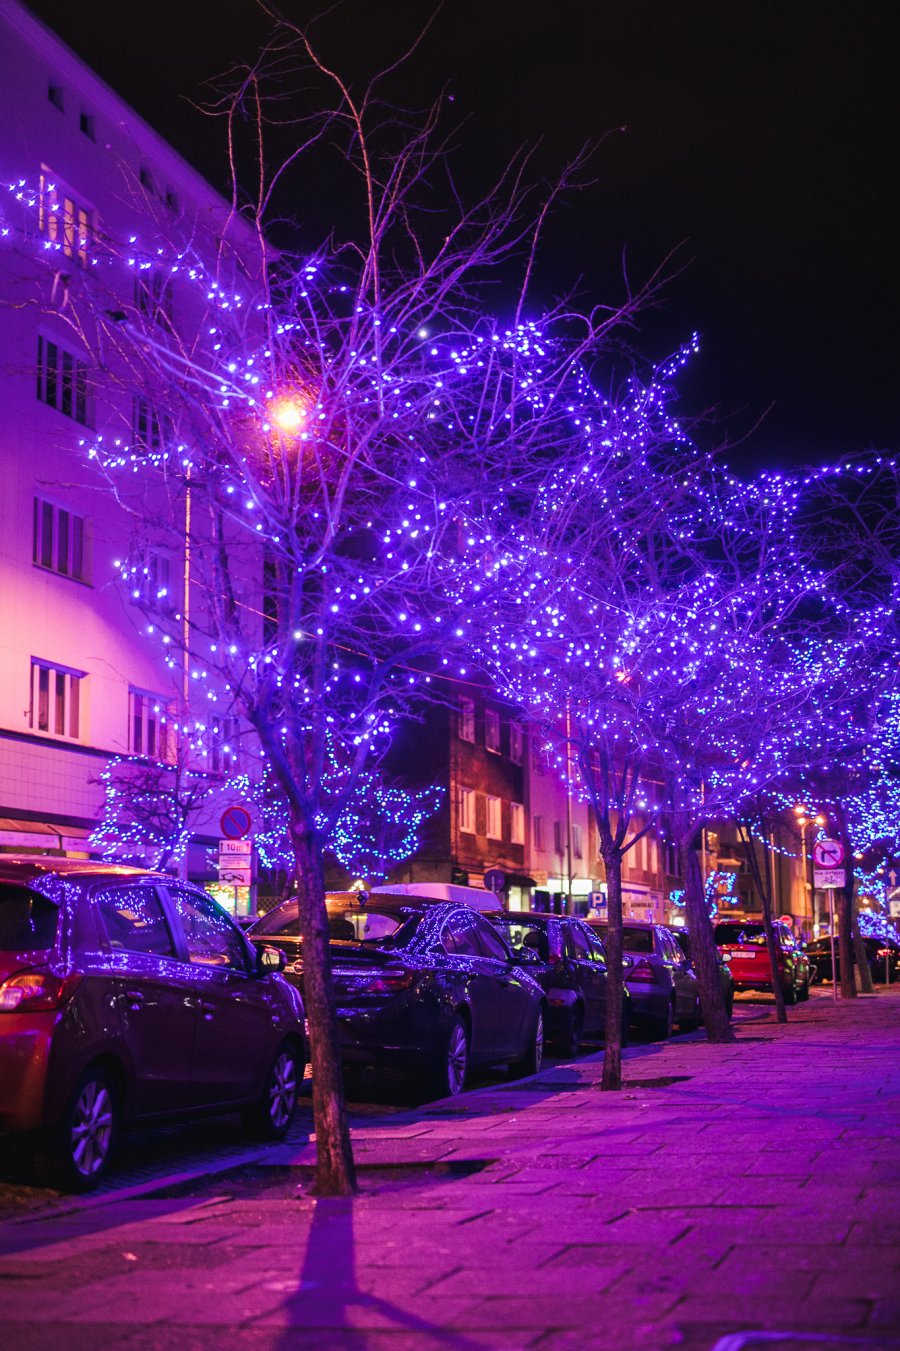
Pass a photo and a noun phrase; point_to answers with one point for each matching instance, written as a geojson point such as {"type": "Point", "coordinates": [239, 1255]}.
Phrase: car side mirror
{"type": "Point", "coordinates": [270, 959]}
{"type": "Point", "coordinates": [627, 963]}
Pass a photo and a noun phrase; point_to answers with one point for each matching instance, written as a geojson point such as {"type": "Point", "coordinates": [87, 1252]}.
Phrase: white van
{"type": "Point", "coordinates": [476, 897]}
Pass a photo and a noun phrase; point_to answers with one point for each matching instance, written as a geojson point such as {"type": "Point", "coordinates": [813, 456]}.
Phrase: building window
{"type": "Point", "coordinates": [150, 583]}
{"type": "Point", "coordinates": [516, 743]}
{"type": "Point", "coordinates": [86, 123]}
{"type": "Point", "coordinates": [494, 827]}
{"type": "Point", "coordinates": [153, 296]}
{"type": "Point", "coordinates": [147, 724]}
{"type": "Point", "coordinates": [537, 832]}
{"type": "Point", "coordinates": [57, 97]}
{"type": "Point", "coordinates": [66, 222]}
{"type": "Point", "coordinates": [62, 381]}
{"type": "Point", "coordinates": [223, 733]}
{"type": "Point", "coordinates": [516, 823]}
{"type": "Point", "coordinates": [55, 699]}
{"type": "Point", "coordinates": [492, 730]}
{"type": "Point", "coordinates": [558, 840]}
{"type": "Point", "coordinates": [465, 720]}
{"type": "Point", "coordinates": [577, 846]}
{"type": "Point", "coordinates": [467, 810]}
{"type": "Point", "coordinates": [147, 427]}
{"type": "Point", "coordinates": [146, 179]}
{"type": "Point", "coordinates": [58, 540]}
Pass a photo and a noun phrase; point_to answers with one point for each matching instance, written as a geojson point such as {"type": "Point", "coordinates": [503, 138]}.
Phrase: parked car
{"type": "Point", "coordinates": [883, 958]}
{"type": "Point", "coordinates": [570, 966]}
{"type": "Point", "coordinates": [744, 942]}
{"type": "Point", "coordinates": [127, 996]}
{"type": "Point", "coordinates": [683, 939]}
{"type": "Point", "coordinates": [423, 986]}
{"type": "Point", "coordinates": [660, 980]}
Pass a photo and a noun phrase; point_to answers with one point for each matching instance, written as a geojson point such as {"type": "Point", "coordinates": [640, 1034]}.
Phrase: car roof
{"type": "Point", "coordinates": [599, 923]}
{"type": "Point", "coordinates": [542, 916]}
{"type": "Point", "coordinates": [25, 868]}
{"type": "Point", "coordinates": [341, 900]}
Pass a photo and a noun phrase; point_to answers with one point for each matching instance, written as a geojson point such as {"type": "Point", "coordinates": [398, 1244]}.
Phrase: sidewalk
{"type": "Point", "coordinates": [726, 1191]}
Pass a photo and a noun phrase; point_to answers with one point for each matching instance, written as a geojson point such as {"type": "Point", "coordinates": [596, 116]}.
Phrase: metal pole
{"type": "Point", "coordinates": [570, 908]}
{"type": "Point", "coordinates": [833, 957]}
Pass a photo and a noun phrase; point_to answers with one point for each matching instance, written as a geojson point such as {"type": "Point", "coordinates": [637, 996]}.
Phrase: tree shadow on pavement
{"type": "Point", "coordinates": [320, 1311]}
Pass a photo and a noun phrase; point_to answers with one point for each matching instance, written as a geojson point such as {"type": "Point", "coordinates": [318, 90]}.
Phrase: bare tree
{"type": "Point", "coordinates": [306, 435]}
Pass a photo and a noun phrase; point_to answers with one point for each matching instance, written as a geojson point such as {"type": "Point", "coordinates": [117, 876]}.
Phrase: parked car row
{"type": "Point", "coordinates": [883, 957]}
{"type": "Point", "coordinates": [128, 996]}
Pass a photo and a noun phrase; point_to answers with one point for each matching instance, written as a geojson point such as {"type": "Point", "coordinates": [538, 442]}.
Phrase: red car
{"type": "Point", "coordinates": [129, 996]}
{"type": "Point", "coordinates": [743, 945]}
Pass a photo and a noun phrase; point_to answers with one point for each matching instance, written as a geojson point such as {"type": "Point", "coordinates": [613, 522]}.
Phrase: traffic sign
{"type": "Point", "coordinates": [235, 847]}
{"type": "Point", "coordinates": [236, 822]}
{"type": "Point", "coordinates": [235, 877]}
{"type": "Point", "coordinates": [828, 854]}
{"type": "Point", "coordinates": [825, 879]}
{"type": "Point", "coordinates": [495, 879]}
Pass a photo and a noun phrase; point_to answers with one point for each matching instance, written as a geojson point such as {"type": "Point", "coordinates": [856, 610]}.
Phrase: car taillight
{"type": "Point", "coordinates": [387, 982]}
{"type": "Point", "coordinates": [641, 970]}
{"type": "Point", "coordinates": [36, 991]}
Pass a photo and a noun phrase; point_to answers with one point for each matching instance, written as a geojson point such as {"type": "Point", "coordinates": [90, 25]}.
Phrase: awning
{"type": "Point", "coordinates": [16, 833]}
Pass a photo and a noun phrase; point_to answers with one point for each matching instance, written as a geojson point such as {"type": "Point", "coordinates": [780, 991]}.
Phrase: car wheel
{"type": "Point", "coordinates": [269, 1118]}
{"type": "Point", "coordinates": [570, 1041]}
{"type": "Point", "coordinates": [665, 1026]}
{"type": "Point", "coordinates": [790, 994]}
{"type": "Point", "coordinates": [803, 993]}
{"type": "Point", "coordinates": [534, 1055]}
{"type": "Point", "coordinates": [449, 1077]}
{"type": "Point", "coordinates": [75, 1155]}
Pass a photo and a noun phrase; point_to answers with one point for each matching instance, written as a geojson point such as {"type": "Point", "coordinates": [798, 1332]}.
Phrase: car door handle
{"type": "Point", "coordinates": [207, 1010]}
{"type": "Point", "coordinates": [135, 998]}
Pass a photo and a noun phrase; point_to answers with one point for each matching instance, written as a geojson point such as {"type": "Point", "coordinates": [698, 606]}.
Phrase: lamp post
{"type": "Point", "coordinates": [805, 818]}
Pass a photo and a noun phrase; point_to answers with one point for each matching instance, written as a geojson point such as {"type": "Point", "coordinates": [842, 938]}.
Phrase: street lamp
{"type": "Point", "coordinates": [805, 819]}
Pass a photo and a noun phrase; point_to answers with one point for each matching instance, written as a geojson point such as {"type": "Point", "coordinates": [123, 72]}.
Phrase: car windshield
{"type": "Point", "coordinates": [353, 924]}
{"type": "Point", "coordinates": [633, 940]}
{"type": "Point", "coordinates": [741, 933]}
{"type": "Point", "coordinates": [27, 920]}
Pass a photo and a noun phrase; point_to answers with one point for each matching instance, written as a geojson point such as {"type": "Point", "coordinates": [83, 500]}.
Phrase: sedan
{"type": "Point", "coordinates": [744, 943]}
{"type": "Point", "coordinates": [568, 961]}
{"type": "Point", "coordinates": [127, 996]}
{"type": "Point", "coordinates": [422, 986]}
{"type": "Point", "coordinates": [660, 980]}
{"type": "Point", "coordinates": [883, 959]}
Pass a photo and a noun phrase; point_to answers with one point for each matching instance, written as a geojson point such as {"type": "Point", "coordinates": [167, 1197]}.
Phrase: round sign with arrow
{"type": "Point", "coordinates": [828, 853]}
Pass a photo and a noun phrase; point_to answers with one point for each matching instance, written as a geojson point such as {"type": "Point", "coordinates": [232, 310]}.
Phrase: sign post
{"type": "Point", "coordinates": [236, 852]}
{"type": "Point", "coordinates": [829, 874]}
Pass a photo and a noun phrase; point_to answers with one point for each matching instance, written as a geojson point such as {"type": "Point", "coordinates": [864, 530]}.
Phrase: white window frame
{"type": "Point", "coordinates": [466, 810]}
{"type": "Point", "coordinates": [516, 742]}
{"type": "Point", "coordinates": [56, 701]}
{"type": "Point", "coordinates": [465, 719]}
{"type": "Point", "coordinates": [62, 380]}
{"type": "Point", "coordinates": [559, 840]}
{"type": "Point", "coordinates": [59, 539]}
{"type": "Point", "coordinates": [516, 823]}
{"type": "Point", "coordinates": [223, 734]}
{"type": "Point", "coordinates": [492, 732]}
{"type": "Point", "coordinates": [494, 817]}
{"type": "Point", "coordinates": [63, 219]}
{"type": "Point", "coordinates": [148, 729]}
{"type": "Point", "coordinates": [537, 832]}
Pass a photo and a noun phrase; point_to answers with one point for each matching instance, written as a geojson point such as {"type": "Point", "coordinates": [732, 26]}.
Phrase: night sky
{"type": "Point", "coordinates": [761, 142]}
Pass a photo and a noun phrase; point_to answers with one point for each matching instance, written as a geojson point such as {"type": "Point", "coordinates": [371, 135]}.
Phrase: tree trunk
{"type": "Point", "coordinates": [612, 1055]}
{"type": "Point", "coordinates": [704, 958]}
{"type": "Point", "coordinates": [335, 1172]}
{"type": "Point", "coordinates": [845, 942]}
{"type": "Point", "coordinates": [864, 971]}
{"type": "Point", "coordinates": [768, 927]}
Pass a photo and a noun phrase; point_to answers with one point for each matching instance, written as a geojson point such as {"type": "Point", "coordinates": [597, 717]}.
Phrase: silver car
{"type": "Point", "coordinates": [660, 979]}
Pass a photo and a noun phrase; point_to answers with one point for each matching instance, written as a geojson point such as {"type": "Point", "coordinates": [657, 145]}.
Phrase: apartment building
{"type": "Point", "coordinates": [79, 682]}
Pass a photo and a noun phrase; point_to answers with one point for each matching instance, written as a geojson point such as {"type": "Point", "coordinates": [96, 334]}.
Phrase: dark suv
{"type": "Point", "coordinates": [126, 995]}
{"type": "Point", "coordinates": [570, 965]}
